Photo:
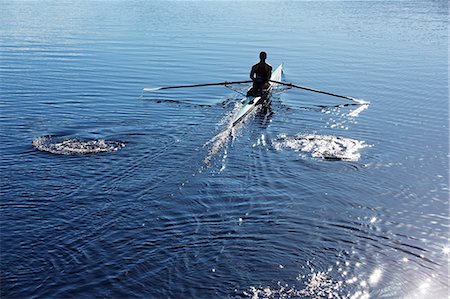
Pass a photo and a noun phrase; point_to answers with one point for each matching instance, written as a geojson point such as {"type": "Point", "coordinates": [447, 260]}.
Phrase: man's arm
{"type": "Point", "coordinates": [270, 72]}
{"type": "Point", "coordinates": [252, 73]}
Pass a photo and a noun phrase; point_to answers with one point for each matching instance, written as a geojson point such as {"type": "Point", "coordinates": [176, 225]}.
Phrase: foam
{"type": "Point", "coordinates": [321, 146]}
{"type": "Point", "coordinates": [74, 146]}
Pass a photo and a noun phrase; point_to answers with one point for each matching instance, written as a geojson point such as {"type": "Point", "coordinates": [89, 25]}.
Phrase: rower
{"type": "Point", "coordinates": [260, 75]}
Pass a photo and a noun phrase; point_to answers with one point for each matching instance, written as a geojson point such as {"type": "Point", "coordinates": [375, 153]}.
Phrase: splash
{"type": "Point", "coordinates": [342, 120]}
{"type": "Point", "coordinates": [316, 285]}
{"type": "Point", "coordinates": [61, 146]}
{"type": "Point", "coordinates": [357, 111]}
{"type": "Point", "coordinates": [319, 284]}
{"type": "Point", "coordinates": [217, 143]}
{"type": "Point", "coordinates": [222, 139]}
{"type": "Point", "coordinates": [269, 293]}
{"type": "Point", "coordinates": [322, 146]}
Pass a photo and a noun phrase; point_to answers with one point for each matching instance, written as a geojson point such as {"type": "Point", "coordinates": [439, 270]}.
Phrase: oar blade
{"type": "Point", "coordinates": [360, 102]}
{"type": "Point", "coordinates": [152, 88]}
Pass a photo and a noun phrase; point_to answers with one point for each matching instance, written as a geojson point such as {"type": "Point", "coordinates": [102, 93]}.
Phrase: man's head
{"type": "Point", "coordinates": [263, 55]}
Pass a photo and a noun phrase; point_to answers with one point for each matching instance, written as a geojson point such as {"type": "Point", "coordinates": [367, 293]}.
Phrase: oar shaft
{"type": "Point", "coordinates": [195, 85]}
{"type": "Point", "coordinates": [319, 91]}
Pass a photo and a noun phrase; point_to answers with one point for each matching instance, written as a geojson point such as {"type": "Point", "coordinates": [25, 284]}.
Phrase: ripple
{"type": "Point", "coordinates": [75, 146]}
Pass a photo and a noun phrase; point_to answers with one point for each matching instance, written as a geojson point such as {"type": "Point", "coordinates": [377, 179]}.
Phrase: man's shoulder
{"type": "Point", "coordinates": [265, 64]}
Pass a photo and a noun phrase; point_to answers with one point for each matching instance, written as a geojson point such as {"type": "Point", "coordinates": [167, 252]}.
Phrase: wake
{"type": "Point", "coordinates": [228, 134]}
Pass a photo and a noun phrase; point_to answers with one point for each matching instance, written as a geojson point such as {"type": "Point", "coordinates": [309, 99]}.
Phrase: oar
{"type": "Point", "coordinates": [361, 102]}
{"type": "Point", "coordinates": [194, 85]}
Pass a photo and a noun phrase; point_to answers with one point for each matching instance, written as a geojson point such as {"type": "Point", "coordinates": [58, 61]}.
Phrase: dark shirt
{"type": "Point", "coordinates": [261, 72]}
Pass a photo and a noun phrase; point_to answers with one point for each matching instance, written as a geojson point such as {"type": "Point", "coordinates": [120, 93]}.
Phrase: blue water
{"type": "Point", "coordinates": [111, 192]}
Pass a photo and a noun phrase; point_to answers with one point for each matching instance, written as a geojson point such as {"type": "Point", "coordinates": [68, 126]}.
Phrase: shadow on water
{"type": "Point", "coordinates": [175, 102]}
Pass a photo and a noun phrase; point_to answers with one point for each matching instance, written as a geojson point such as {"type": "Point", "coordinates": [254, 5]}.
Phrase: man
{"type": "Point", "coordinates": [260, 75]}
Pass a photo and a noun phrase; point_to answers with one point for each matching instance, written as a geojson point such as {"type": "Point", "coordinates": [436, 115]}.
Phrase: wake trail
{"type": "Point", "coordinates": [221, 140]}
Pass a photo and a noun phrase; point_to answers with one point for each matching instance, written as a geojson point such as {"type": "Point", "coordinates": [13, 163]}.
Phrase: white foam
{"type": "Point", "coordinates": [322, 146]}
{"type": "Point", "coordinates": [62, 146]}
{"type": "Point", "coordinates": [316, 285]}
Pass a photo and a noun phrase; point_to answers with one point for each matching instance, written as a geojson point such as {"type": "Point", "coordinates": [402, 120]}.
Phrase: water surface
{"type": "Point", "coordinates": [110, 192]}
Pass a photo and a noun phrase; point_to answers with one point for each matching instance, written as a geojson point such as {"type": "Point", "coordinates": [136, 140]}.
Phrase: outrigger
{"type": "Point", "coordinates": [249, 103]}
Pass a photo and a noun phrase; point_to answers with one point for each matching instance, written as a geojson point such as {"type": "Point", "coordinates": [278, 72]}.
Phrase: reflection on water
{"type": "Point", "coordinates": [347, 281]}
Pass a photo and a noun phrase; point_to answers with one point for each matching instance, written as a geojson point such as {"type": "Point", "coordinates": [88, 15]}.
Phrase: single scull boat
{"type": "Point", "coordinates": [250, 102]}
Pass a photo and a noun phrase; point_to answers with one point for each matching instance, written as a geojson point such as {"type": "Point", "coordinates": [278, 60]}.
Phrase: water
{"type": "Point", "coordinates": [110, 192]}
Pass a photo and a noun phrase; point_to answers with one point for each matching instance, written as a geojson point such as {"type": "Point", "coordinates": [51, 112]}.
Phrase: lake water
{"type": "Point", "coordinates": [111, 192]}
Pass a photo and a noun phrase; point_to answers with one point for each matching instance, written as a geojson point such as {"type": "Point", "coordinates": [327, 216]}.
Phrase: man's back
{"type": "Point", "coordinates": [262, 71]}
